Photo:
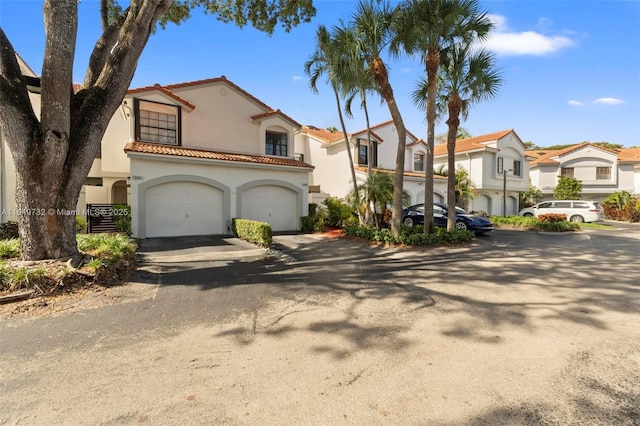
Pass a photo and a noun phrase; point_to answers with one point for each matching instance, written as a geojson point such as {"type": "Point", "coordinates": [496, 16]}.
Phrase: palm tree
{"type": "Point", "coordinates": [375, 23]}
{"type": "Point", "coordinates": [327, 60]}
{"type": "Point", "coordinates": [467, 76]}
{"type": "Point", "coordinates": [464, 190]}
{"type": "Point", "coordinates": [428, 28]}
{"type": "Point", "coordinates": [377, 191]}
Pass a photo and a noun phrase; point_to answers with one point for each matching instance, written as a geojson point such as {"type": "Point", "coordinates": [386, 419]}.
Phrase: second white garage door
{"type": "Point", "coordinates": [184, 208]}
{"type": "Point", "coordinates": [275, 205]}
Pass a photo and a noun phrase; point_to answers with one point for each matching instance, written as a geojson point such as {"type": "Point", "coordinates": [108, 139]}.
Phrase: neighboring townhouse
{"type": "Point", "coordinates": [602, 171]}
{"type": "Point", "coordinates": [492, 160]}
{"type": "Point", "coordinates": [188, 158]}
{"type": "Point", "coordinates": [327, 151]}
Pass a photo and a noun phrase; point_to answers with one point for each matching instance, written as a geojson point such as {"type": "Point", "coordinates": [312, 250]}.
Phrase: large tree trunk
{"type": "Point", "coordinates": [453, 122]}
{"type": "Point", "coordinates": [433, 63]}
{"type": "Point", "coordinates": [381, 78]}
{"type": "Point", "coordinates": [54, 155]}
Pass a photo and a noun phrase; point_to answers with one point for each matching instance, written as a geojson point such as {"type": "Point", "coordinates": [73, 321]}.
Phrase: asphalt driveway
{"type": "Point", "coordinates": [515, 328]}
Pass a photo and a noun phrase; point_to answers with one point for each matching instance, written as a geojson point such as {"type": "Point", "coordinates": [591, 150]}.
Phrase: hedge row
{"type": "Point", "coordinates": [250, 230]}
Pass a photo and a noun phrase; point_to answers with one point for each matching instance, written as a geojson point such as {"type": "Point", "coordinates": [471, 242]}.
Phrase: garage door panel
{"type": "Point", "coordinates": [275, 205]}
{"type": "Point", "coordinates": [184, 208]}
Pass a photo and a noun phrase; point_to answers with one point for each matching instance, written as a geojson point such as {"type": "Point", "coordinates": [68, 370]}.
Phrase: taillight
{"type": "Point", "coordinates": [595, 211]}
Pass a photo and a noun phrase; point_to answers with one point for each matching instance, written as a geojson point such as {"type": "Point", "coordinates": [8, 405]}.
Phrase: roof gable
{"type": "Point", "coordinates": [476, 143]}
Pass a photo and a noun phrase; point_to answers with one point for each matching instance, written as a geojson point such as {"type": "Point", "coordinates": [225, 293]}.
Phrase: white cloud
{"type": "Point", "coordinates": [296, 78]}
{"type": "Point", "coordinates": [507, 42]}
{"type": "Point", "coordinates": [575, 103]}
{"type": "Point", "coordinates": [608, 101]}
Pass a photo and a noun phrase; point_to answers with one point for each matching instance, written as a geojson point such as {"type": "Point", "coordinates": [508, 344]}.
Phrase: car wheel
{"type": "Point", "coordinates": [577, 218]}
{"type": "Point", "coordinates": [408, 221]}
{"type": "Point", "coordinates": [528, 215]}
{"type": "Point", "coordinates": [462, 226]}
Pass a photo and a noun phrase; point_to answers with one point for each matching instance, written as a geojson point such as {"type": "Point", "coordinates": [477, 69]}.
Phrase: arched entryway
{"type": "Point", "coordinates": [119, 192]}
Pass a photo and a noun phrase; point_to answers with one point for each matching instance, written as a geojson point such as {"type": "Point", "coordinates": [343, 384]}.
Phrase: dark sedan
{"type": "Point", "coordinates": [414, 215]}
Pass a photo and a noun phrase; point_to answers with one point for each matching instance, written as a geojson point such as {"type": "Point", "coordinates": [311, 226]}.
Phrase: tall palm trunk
{"type": "Point", "coordinates": [433, 63]}
{"type": "Point", "coordinates": [371, 209]}
{"type": "Point", "coordinates": [381, 78]}
{"type": "Point", "coordinates": [348, 145]}
{"type": "Point", "coordinates": [455, 106]}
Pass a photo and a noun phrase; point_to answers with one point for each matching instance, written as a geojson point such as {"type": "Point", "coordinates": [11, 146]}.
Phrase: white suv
{"type": "Point", "coordinates": [576, 210]}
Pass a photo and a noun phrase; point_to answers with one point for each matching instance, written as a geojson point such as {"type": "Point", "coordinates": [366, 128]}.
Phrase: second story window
{"type": "Point", "coordinates": [566, 171]}
{"type": "Point", "coordinates": [276, 144]}
{"type": "Point", "coordinates": [603, 173]}
{"type": "Point", "coordinates": [418, 162]}
{"type": "Point", "coordinates": [363, 153]}
{"type": "Point", "coordinates": [517, 168]}
{"type": "Point", "coordinates": [157, 122]}
{"type": "Point", "coordinates": [500, 165]}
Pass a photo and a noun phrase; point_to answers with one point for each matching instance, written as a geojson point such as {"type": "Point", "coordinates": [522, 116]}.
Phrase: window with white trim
{"type": "Point", "coordinates": [566, 171]}
{"type": "Point", "coordinates": [276, 144]}
{"type": "Point", "coordinates": [418, 162]}
{"type": "Point", "coordinates": [157, 122]}
{"type": "Point", "coordinates": [500, 165]}
{"type": "Point", "coordinates": [603, 173]}
{"type": "Point", "coordinates": [517, 168]}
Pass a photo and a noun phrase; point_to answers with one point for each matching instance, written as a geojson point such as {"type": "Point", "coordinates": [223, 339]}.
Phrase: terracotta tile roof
{"type": "Point", "coordinates": [328, 136]}
{"type": "Point", "coordinates": [629, 155]}
{"type": "Point", "coordinates": [471, 144]}
{"type": "Point", "coordinates": [166, 92]}
{"type": "Point", "coordinates": [324, 135]}
{"type": "Point", "coordinates": [406, 173]}
{"type": "Point", "coordinates": [548, 156]}
{"type": "Point", "coordinates": [177, 151]}
{"type": "Point", "coordinates": [385, 123]}
{"type": "Point", "coordinates": [276, 112]}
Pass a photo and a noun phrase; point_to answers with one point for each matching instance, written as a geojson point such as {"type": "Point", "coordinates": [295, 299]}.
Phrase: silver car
{"type": "Point", "coordinates": [576, 210]}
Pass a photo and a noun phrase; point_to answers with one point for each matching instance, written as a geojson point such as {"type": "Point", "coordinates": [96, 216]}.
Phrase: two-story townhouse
{"type": "Point", "coordinates": [602, 171]}
{"type": "Point", "coordinates": [188, 158]}
{"type": "Point", "coordinates": [498, 167]}
{"type": "Point", "coordinates": [327, 151]}
{"type": "Point", "coordinates": [204, 152]}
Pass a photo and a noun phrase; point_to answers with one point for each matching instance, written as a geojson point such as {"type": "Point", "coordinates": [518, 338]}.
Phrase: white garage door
{"type": "Point", "coordinates": [184, 208]}
{"type": "Point", "coordinates": [483, 203]}
{"type": "Point", "coordinates": [275, 205]}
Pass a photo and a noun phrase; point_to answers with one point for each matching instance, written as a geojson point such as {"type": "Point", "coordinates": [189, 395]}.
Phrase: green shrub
{"type": "Point", "coordinates": [519, 221]}
{"type": "Point", "coordinates": [410, 236]}
{"type": "Point", "coordinates": [250, 230]}
{"type": "Point", "coordinates": [622, 206]}
{"type": "Point", "coordinates": [338, 213]}
{"type": "Point", "coordinates": [546, 223]}
{"type": "Point", "coordinates": [9, 248]}
{"type": "Point", "coordinates": [122, 218]}
{"type": "Point", "coordinates": [9, 230]}
{"type": "Point", "coordinates": [556, 226]}
{"type": "Point", "coordinates": [81, 225]}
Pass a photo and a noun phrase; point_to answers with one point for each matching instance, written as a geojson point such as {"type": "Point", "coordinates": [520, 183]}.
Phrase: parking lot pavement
{"type": "Point", "coordinates": [514, 328]}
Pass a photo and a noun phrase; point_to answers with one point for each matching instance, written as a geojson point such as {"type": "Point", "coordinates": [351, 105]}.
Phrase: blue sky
{"type": "Point", "coordinates": [571, 69]}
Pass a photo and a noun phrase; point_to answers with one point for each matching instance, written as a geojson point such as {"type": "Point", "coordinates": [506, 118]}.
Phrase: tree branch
{"type": "Point", "coordinates": [104, 14]}
{"type": "Point", "coordinates": [17, 117]}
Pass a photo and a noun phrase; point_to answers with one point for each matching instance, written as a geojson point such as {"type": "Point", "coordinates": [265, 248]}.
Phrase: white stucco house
{"type": "Point", "coordinates": [602, 171]}
{"type": "Point", "coordinates": [492, 160]}
{"type": "Point", "coordinates": [188, 158]}
{"type": "Point", "coordinates": [204, 152]}
{"type": "Point", "coordinates": [327, 151]}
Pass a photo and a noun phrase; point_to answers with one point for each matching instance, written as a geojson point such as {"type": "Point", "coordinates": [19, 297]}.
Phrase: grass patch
{"type": "Point", "coordinates": [110, 260]}
{"type": "Point", "coordinates": [596, 226]}
{"type": "Point", "coordinates": [9, 248]}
